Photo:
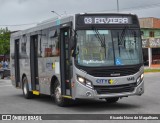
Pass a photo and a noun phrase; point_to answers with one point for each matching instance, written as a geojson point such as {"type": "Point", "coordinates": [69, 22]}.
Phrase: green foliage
{"type": "Point", "coordinates": [4, 41]}
{"type": "Point", "coordinates": [151, 70]}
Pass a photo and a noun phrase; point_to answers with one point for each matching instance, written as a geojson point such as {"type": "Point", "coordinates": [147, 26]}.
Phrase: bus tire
{"type": "Point", "coordinates": [26, 93]}
{"type": "Point", "coordinates": [59, 100]}
{"type": "Point", "coordinates": [112, 100]}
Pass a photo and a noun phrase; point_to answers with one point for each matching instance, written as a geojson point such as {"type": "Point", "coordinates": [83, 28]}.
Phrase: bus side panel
{"type": "Point", "coordinates": [26, 62]}
{"type": "Point", "coordinates": [48, 58]}
{"type": "Point", "coordinates": [48, 67]}
{"type": "Point", "coordinates": [25, 59]}
{"type": "Point", "coordinates": [25, 68]}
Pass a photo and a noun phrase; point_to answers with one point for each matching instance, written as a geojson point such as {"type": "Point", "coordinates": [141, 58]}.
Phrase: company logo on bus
{"type": "Point", "coordinates": [106, 81]}
{"type": "Point", "coordinates": [130, 78]}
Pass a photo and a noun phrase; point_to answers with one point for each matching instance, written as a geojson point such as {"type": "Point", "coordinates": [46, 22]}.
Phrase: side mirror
{"type": "Point", "coordinates": [72, 43]}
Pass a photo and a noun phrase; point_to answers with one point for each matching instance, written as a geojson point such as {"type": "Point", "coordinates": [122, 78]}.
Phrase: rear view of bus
{"type": "Point", "coordinates": [108, 56]}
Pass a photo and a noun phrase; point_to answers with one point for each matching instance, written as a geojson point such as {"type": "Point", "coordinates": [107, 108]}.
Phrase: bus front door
{"type": "Point", "coordinates": [65, 61]}
{"type": "Point", "coordinates": [34, 61]}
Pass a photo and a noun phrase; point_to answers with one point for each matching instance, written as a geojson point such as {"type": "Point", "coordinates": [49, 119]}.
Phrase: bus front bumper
{"type": "Point", "coordinates": [83, 92]}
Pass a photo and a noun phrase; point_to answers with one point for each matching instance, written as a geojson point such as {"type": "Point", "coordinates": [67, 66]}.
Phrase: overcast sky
{"type": "Point", "coordinates": [15, 12]}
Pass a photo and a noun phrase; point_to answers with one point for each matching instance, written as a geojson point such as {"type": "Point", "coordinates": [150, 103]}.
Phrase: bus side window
{"type": "Point", "coordinates": [53, 44]}
{"type": "Point", "coordinates": [49, 43]}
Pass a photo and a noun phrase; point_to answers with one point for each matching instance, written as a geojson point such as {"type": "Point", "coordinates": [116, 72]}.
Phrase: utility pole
{"type": "Point", "coordinates": [56, 13]}
{"type": "Point", "coordinates": [117, 6]}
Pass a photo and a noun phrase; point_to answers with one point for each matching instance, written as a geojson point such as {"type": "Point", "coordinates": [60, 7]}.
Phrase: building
{"type": "Point", "coordinates": [150, 28]}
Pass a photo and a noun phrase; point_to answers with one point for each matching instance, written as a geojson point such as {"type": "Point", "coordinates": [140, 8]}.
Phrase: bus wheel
{"type": "Point", "coordinates": [26, 93]}
{"type": "Point", "coordinates": [59, 100]}
{"type": "Point", "coordinates": [112, 100]}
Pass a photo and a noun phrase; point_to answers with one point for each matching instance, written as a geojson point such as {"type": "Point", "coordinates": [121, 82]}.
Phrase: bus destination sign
{"type": "Point", "coordinates": [107, 20]}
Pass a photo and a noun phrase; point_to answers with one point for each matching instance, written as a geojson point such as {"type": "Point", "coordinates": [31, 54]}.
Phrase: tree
{"type": "Point", "coordinates": [4, 41]}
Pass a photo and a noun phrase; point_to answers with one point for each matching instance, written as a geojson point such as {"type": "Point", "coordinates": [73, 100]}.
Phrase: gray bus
{"type": "Point", "coordinates": [83, 56]}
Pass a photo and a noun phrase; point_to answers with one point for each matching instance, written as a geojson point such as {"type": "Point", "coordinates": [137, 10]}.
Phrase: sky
{"type": "Point", "coordinates": [22, 14]}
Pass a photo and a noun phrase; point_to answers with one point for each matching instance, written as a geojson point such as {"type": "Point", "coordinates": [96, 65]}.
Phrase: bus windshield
{"type": "Point", "coordinates": [96, 48]}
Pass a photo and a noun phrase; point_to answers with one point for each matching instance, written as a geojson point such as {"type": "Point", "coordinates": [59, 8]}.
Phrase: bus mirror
{"type": "Point", "coordinates": [72, 46]}
{"type": "Point", "coordinates": [72, 43]}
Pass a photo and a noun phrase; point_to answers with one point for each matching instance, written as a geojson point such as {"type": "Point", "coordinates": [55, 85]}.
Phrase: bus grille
{"type": "Point", "coordinates": [109, 72]}
{"type": "Point", "coordinates": [115, 89]}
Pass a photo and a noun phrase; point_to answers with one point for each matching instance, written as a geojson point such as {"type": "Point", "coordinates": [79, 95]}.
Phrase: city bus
{"type": "Point", "coordinates": [80, 56]}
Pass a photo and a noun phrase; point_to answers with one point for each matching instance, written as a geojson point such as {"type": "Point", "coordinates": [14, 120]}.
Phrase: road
{"type": "Point", "coordinates": [12, 101]}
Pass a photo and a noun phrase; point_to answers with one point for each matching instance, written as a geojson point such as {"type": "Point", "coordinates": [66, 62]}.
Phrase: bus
{"type": "Point", "coordinates": [80, 56]}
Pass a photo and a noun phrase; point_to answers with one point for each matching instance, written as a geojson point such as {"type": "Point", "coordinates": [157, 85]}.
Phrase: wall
{"type": "Point", "coordinates": [146, 22]}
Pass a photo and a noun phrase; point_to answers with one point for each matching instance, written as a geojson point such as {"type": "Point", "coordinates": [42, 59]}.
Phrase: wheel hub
{"type": "Point", "coordinates": [58, 94]}
{"type": "Point", "coordinates": [25, 88]}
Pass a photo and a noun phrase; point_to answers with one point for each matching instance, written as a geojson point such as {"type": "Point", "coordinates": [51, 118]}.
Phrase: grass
{"type": "Point", "coordinates": [151, 70]}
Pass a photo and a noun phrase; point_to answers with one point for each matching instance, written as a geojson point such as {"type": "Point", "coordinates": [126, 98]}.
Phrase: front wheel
{"type": "Point", "coordinates": [112, 100]}
{"type": "Point", "coordinates": [59, 100]}
{"type": "Point", "coordinates": [26, 93]}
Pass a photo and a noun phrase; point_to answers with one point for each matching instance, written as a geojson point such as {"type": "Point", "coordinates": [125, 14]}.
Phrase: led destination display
{"type": "Point", "coordinates": [104, 19]}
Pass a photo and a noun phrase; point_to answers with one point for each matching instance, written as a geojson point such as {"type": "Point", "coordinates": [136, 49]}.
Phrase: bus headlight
{"type": "Point", "coordinates": [139, 80]}
{"type": "Point", "coordinates": [81, 80]}
{"type": "Point", "coordinates": [84, 81]}
{"type": "Point", "coordinates": [142, 76]}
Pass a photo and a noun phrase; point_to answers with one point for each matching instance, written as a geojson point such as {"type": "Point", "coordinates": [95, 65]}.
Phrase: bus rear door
{"type": "Point", "coordinates": [34, 61]}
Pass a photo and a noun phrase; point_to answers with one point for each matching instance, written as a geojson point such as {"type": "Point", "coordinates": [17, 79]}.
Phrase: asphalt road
{"type": "Point", "coordinates": [12, 102]}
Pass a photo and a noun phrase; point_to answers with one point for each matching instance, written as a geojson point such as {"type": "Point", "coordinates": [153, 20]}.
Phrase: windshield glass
{"type": "Point", "coordinates": [108, 47]}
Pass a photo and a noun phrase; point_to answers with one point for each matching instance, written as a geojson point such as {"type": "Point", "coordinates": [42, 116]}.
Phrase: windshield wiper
{"type": "Point", "coordinates": [104, 45]}
{"type": "Point", "coordinates": [121, 38]}
{"type": "Point", "coordinates": [98, 36]}
{"type": "Point", "coordinates": [123, 34]}
{"type": "Point", "coordinates": [101, 39]}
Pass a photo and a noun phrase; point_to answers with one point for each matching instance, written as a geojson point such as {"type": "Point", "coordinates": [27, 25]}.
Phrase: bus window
{"type": "Point", "coordinates": [52, 44]}
{"type": "Point", "coordinates": [49, 43]}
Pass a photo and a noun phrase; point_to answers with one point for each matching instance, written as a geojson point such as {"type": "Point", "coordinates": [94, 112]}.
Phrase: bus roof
{"type": "Point", "coordinates": [44, 25]}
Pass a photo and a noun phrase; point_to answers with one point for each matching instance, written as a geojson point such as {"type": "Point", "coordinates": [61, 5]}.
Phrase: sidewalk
{"type": "Point", "coordinates": [152, 67]}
